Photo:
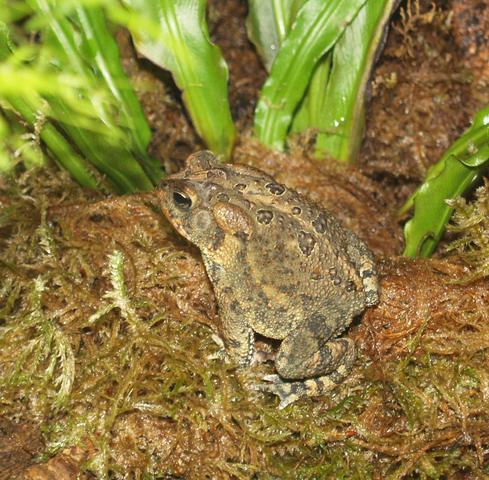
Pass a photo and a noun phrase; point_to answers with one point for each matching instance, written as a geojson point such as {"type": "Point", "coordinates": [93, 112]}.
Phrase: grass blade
{"type": "Point", "coordinates": [175, 37]}
{"type": "Point", "coordinates": [62, 152]}
{"type": "Point", "coordinates": [98, 110]}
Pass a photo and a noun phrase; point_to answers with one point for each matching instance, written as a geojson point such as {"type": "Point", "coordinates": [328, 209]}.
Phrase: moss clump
{"type": "Point", "coordinates": [471, 221]}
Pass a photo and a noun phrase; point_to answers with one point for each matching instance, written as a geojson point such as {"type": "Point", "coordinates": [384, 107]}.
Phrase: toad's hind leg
{"type": "Point", "coordinates": [330, 365]}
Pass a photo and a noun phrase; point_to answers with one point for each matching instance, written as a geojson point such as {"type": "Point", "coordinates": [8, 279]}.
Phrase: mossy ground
{"type": "Point", "coordinates": [106, 326]}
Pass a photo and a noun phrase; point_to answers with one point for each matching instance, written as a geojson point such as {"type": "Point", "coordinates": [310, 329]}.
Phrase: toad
{"type": "Point", "coordinates": [281, 265]}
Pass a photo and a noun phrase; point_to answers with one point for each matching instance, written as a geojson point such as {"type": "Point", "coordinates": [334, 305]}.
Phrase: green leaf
{"type": "Point", "coordinates": [262, 30]}
{"type": "Point", "coordinates": [28, 105]}
{"type": "Point", "coordinates": [7, 48]}
{"type": "Point", "coordinates": [316, 29]}
{"type": "Point", "coordinates": [460, 167]}
{"type": "Point", "coordinates": [103, 51]}
{"type": "Point", "coordinates": [268, 23]}
{"type": "Point", "coordinates": [105, 149]}
{"type": "Point", "coordinates": [78, 45]}
{"type": "Point", "coordinates": [173, 34]}
{"type": "Point", "coordinates": [6, 163]}
{"type": "Point", "coordinates": [308, 114]}
{"type": "Point", "coordinates": [342, 119]}
{"type": "Point", "coordinates": [12, 11]}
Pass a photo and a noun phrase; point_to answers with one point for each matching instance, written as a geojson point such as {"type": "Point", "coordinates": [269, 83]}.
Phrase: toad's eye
{"type": "Point", "coordinates": [182, 200]}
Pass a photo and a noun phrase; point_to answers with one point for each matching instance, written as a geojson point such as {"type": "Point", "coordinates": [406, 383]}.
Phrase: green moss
{"type": "Point", "coordinates": [106, 322]}
{"type": "Point", "coordinates": [471, 221]}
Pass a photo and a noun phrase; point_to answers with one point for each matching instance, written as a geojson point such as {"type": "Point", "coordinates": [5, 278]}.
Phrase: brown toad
{"type": "Point", "coordinates": [281, 266]}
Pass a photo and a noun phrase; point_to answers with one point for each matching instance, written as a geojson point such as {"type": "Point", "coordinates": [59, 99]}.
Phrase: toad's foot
{"type": "Point", "coordinates": [290, 392]}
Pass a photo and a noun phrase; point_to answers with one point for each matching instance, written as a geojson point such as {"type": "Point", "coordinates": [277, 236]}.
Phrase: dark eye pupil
{"type": "Point", "coordinates": [182, 200]}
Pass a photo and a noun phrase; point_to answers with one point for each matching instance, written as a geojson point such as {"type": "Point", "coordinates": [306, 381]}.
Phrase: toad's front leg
{"type": "Point", "coordinates": [237, 337]}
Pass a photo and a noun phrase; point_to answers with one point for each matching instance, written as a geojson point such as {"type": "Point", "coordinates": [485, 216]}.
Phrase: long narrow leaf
{"type": "Point", "coordinates": [5, 160]}
{"type": "Point", "coordinates": [176, 38]}
{"type": "Point", "coordinates": [460, 167]}
{"type": "Point", "coordinates": [105, 144]}
{"type": "Point", "coordinates": [28, 106]}
{"type": "Point", "coordinates": [63, 153]}
{"type": "Point", "coordinates": [343, 115]}
{"type": "Point", "coordinates": [104, 52]}
{"type": "Point", "coordinates": [262, 30]}
{"type": "Point", "coordinates": [308, 114]}
{"type": "Point", "coordinates": [317, 28]}
{"type": "Point", "coordinates": [105, 151]}
{"type": "Point", "coordinates": [268, 23]}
